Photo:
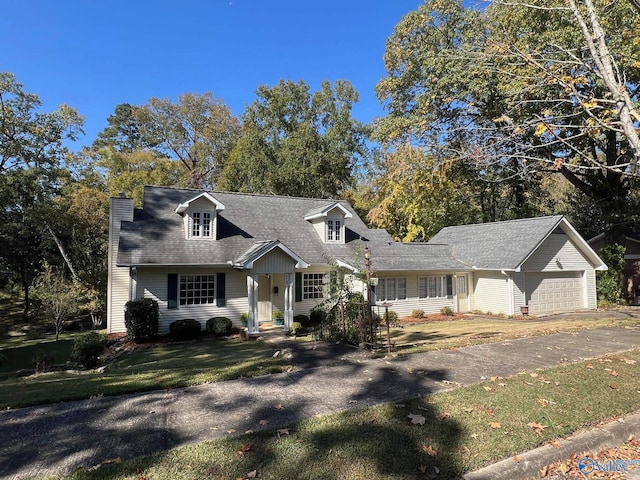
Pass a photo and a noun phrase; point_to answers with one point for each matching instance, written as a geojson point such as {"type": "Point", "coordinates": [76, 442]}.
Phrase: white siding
{"type": "Point", "coordinates": [590, 296]}
{"type": "Point", "coordinates": [276, 261]}
{"type": "Point", "coordinates": [429, 305]}
{"type": "Point", "coordinates": [152, 283]}
{"type": "Point", "coordinates": [519, 289]}
{"type": "Point", "coordinates": [491, 292]}
{"type": "Point", "coordinates": [305, 306]}
{"type": "Point", "coordinates": [557, 253]}
{"type": "Point", "coordinates": [118, 284]}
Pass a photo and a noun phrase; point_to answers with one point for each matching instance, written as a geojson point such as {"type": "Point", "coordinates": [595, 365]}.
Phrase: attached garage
{"type": "Point", "coordinates": [555, 292]}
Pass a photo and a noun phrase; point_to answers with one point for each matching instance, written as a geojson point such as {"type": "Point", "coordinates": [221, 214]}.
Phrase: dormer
{"type": "Point", "coordinates": [328, 221]}
{"type": "Point", "coordinates": [200, 216]}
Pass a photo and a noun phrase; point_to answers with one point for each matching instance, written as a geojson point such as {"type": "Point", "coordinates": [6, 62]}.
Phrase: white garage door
{"type": "Point", "coordinates": [554, 292]}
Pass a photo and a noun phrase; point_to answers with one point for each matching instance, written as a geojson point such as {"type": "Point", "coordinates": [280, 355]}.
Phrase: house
{"type": "Point", "coordinates": [631, 271]}
{"type": "Point", "coordinates": [204, 254]}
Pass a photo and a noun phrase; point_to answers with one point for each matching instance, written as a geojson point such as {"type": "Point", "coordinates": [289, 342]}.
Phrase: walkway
{"type": "Point", "coordinates": [59, 438]}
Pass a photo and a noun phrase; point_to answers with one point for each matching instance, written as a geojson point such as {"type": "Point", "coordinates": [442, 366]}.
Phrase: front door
{"type": "Point", "coordinates": [264, 298]}
{"type": "Point", "coordinates": [462, 293]}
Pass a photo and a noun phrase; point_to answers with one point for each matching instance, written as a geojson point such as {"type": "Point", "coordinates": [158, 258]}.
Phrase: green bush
{"type": "Point", "coordinates": [448, 311]}
{"type": "Point", "coordinates": [244, 318]}
{"type": "Point", "coordinates": [43, 360]}
{"type": "Point", "coordinates": [296, 329]}
{"type": "Point", "coordinates": [302, 320]}
{"type": "Point", "coordinates": [220, 326]}
{"type": "Point", "coordinates": [390, 316]}
{"type": "Point", "coordinates": [185, 329]}
{"type": "Point", "coordinates": [417, 313]}
{"type": "Point", "coordinates": [141, 319]}
{"type": "Point", "coordinates": [87, 348]}
{"type": "Point", "coordinates": [317, 316]}
{"type": "Point", "coordinates": [609, 282]}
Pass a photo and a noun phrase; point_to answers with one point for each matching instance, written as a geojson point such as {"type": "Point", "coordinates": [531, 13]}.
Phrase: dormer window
{"type": "Point", "coordinates": [201, 224]}
{"type": "Point", "coordinates": [200, 215]}
{"type": "Point", "coordinates": [334, 230]}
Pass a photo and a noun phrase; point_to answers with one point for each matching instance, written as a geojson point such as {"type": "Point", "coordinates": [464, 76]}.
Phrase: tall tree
{"type": "Point", "coordinates": [297, 143]}
{"type": "Point", "coordinates": [198, 130]}
{"type": "Point", "coordinates": [542, 86]}
{"type": "Point", "coordinates": [123, 132]}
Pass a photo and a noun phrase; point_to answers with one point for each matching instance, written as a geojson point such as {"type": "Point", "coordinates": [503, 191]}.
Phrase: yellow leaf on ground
{"type": "Point", "coordinates": [538, 427]}
{"type": "Point", "coordinates": [282, 431]}
{"type": "Point", "coordinates": [495, 425]}
{"type": "Point", "coordinates": [416, 419]}
{"type": "Point", "coordinates": [429, 450]}
{"type": "Point", "coordinates": [264, 422]}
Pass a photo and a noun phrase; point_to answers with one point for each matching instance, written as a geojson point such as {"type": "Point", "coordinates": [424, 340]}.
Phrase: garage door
{"type": "Point", "coordinates": [554, 292]}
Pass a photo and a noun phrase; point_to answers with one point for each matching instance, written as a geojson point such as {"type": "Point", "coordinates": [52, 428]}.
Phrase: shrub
{"type": "Point", "coordinates": [87, 348]}
{"type": "Point", "coordinates": [296, 329]}
{"type": "Point", "coordinates": [317, 316]}
{"type": "Point", "coordinates": [43, 360]}
{"type": "Point", "coordinates": [220, 326]}
{"type": "Point", "coordinates": [448, 311]}
{"type": "Point", "coordinates": [302, 320]}
{"type": "Point", "coordinates": [185, 329]}
{"type": "Point", "coordinates": [390, 316]}
{"type": "Point", "coordinates": [417, 313]}
{"type": "Point", "coordinates": [609, 282]}
{"type": "Point", "coordinates": [141, 319]}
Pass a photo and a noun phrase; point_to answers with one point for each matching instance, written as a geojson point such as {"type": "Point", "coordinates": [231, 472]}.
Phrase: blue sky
{"type": "Point", "coordinates": [93, 55]}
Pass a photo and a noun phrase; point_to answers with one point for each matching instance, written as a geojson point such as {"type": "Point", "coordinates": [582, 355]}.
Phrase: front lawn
{"type": "Point", "coordinates": [437, 436]}
{"type": "Point", "coordinates": [165, 365]}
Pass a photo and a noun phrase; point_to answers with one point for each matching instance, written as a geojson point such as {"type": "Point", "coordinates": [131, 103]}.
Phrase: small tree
{"type": "Point", "coordinates": [141, 318]}
{"type": "Point", "coordinates": [57, 296]}
{"type": "Point", "coordinates": [609, 285]}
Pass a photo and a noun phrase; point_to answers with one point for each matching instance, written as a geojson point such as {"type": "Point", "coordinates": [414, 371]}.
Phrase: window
{"type": "Point", "coordinates": [201, 224]}
{"type": "Point", "coordinates": [197, 289]}
{"type": "Point", "coordinates": [312, 285]}
{"type": "Point", "coordinates": [334, 230]}
{"type": "Point", "coordinates": [435, 287]}
{"type": "Point", "coordinates": [391, 289]}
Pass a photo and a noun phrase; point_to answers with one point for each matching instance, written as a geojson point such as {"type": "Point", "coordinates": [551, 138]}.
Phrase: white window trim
{"type": "Point", "coordinates": [332, 230]}
{"type": "Point", "coordinates": [203, 226]}
{"type": "Point", "coordinates": [383, 281]}
{"type": "Point", "coordinates": [441, 282]}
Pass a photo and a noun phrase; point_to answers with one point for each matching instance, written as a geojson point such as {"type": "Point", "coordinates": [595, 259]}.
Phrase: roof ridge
{"type": "Point", "coordinates": [269, 195]}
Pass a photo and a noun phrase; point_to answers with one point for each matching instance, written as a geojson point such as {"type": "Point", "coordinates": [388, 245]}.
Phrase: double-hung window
{"type": "Point", "coordinates": [391, 288]}
{"type": "Point", "coordinates": [313, 285]}
{"type": "Point", "coordinates": [334, 230]}
{"type": "Point", "coordinates": [435, 287]}
{"type": "Point", "coordinates": [201, 224]}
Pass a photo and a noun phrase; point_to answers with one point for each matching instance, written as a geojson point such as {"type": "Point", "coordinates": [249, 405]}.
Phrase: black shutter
{"type": "Point", "coordinates": [221, 298]}
{"type": "Point", "coordinates": [298, 286]}
{"type": "Point", "coordinates": [449, 285]}
{"type": "Point", "coordinates": [172, 290]}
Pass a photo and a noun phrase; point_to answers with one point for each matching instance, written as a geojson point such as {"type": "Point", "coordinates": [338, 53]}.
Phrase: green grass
{"type": "Point", "coordinates": [164, 366]}
{"type": "Point", "coordinates": [381, 442]}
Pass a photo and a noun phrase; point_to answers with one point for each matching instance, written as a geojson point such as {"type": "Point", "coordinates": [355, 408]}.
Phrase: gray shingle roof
{"type": "Point", "coordinates": [156, 236]}
{"type": "Point", "coordinates": [497, 245]}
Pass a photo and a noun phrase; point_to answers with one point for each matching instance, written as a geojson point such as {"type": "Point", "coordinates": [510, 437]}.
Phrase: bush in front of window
{"type": "Point", "coordinates": [220, 326]}
{"type": "Point", "coordinates": [417, 313]}
{"type": "Point", "coordinates": [185, 329]}
{"type": "Point", "coordinates": [296, 329]}
{"type": "Point", "coordinates": [141, 319]}
{"type": "Point", "coordinates": [317, 316]}
{"type": "Point", "coordinates": [448, 311]}
{"type": "Point", "coordinates": [302, 320]}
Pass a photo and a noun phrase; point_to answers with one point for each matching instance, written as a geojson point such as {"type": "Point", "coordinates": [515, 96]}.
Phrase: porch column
{"type": "Point", "coordinates": [288, 301]}
{"type": "Point", "coordinates": [252, 295]}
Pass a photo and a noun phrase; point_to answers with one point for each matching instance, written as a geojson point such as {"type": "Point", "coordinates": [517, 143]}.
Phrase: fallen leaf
{"type": "Point", "coordinates": [282, 431]}
{"type": "Point", "coordinates": [502, 384]}
{"type": "Point", "coordinates": [244, 448]}
{"type": "Point", "coordinates": [528, 383]}
{"type": "Point", "coordinates": [443, 416]}
{"type": "Point", "coordinates": [429, 450]}
{"type": "Point", "coordinates": [474, 435]}
{"type": "Point", "coordinates": [495, 425]}
{"type": "Point", "coordinates": [613, 386]}
{"type": "Point", "coordinates": [544, 472]}
{"type": "Point", "coordinates": [554, 444]}
{"type": "Point", "coordinates": [629, 362]}
{"type": "Point", "coordinates": [538, 427]}
{"type": "Point", "coordinates": [468, 409]}
{"type": "Point", "coordinates": [517, 459]}
{"type": "Point", "coordinates": [416, 419]}
{"type": "Point", "coordinates": [533, 374]}
{"type": "Point", "coordinates": [488, 389]}
{"type": "Point", "coordinates": [613, 373]}
{"type": "Point", "coordinates": [231, 430]}
{"type": "Point", "coordinates": [489, 411]}
{"type": "Point", "coordinates": [252, 474]}
{"type": "Point", "coordinates": [264, 422]}
{"type": "Point", "coordinates": [278, 406]}
{"type": "Point", "coordinates": [588, 365]}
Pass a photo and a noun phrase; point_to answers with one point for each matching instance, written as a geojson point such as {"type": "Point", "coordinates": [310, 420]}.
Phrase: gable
{"type": "Point", "coordinates": [556, 253]}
